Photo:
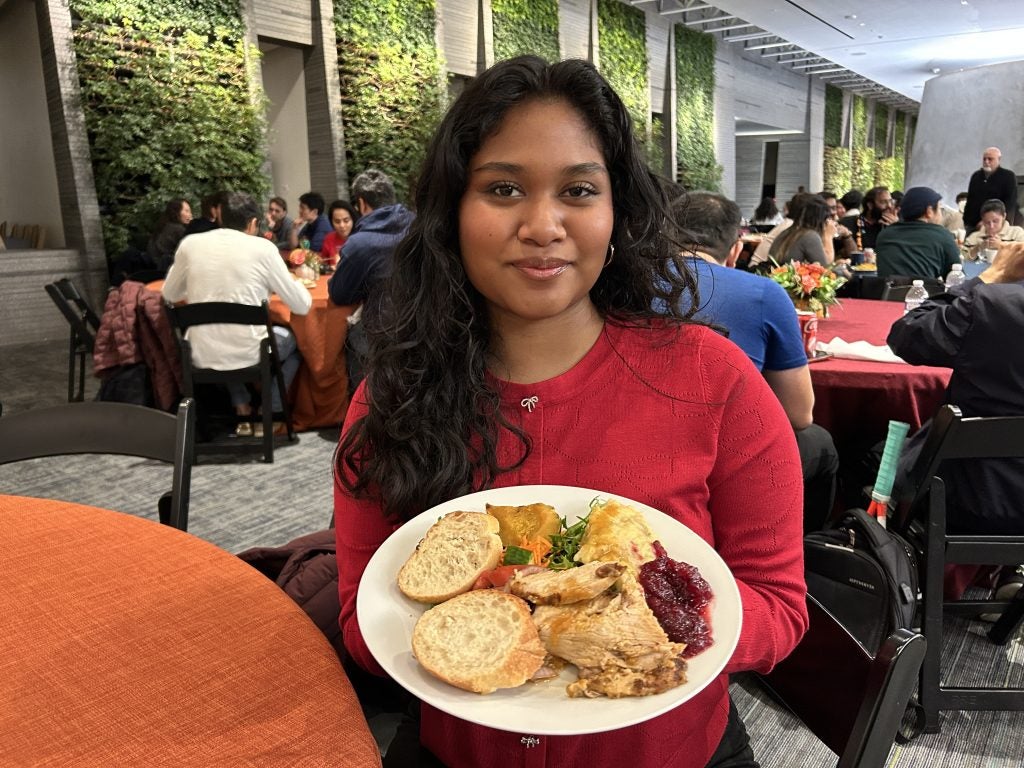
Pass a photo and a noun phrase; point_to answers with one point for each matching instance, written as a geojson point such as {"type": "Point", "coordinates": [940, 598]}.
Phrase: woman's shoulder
{"type": "Point", "coordinates": [1013, 234]}
{"type": "Point", "coordinates": [682, 360]}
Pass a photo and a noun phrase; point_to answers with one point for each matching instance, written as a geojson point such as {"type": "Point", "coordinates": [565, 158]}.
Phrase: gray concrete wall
{"type": "Point", "coordinates": [961, 114]}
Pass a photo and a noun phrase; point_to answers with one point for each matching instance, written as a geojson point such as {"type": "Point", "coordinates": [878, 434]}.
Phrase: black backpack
{"type": "Point", "coordinates": [865, 575]}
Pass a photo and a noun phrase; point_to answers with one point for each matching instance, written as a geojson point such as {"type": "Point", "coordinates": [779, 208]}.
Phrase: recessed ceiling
{"type": "Point", "coordinates": [897, 43]}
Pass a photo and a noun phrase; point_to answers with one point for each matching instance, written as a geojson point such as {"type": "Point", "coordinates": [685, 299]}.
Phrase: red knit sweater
{"type": "Point", "coordinates": [685, 424]}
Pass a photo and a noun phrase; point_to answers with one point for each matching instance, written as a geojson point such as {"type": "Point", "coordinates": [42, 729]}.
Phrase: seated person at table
{"type": "Point", "coordinates": [793, 208]}
{"type": "Point", "coordinates": [993, 230]}
{"type": "Point", "coordinates": [310, 224]}
{"type": "Point", "coordinates": [767, 213]}
{"type": "Point", "coordinates": [851, 202]}
{"type": "Point", "coordinates": [876, 216]}
{"type": "Point", "coordinates": [517, 343]}
{"type": "Point", "coordinates": [342, 216]}
{"type": "Point", "coordinates": [366, 257]}
{"type": "Point", "coordinates": [278, 224]}
{"type": "Point", "coordinates": [953, 218]}
{"type": "Point", "coordinates": [234, 264]}
{"type": "Point", "coordinates": [210, 209]}
{"type": "Point", "coordinates": [918, 246]}
{"type": "Point", "coordinates": [761, 319]}
{"type": "Point", "coordinates": [169, 230]}
{"type": "Point", "coordinates": [842, 243]}
{"type": "Point", "coordinates": [805, 240]}
{"type": "Point", "coordinates": [974, 328]}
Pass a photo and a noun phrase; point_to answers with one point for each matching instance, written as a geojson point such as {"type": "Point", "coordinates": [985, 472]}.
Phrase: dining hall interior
{"type": "Point", "coordinates": [140, 635]}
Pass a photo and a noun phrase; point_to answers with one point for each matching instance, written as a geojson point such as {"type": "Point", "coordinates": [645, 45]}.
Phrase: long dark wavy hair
{"type": "Point", "coordinates": [432, 430]}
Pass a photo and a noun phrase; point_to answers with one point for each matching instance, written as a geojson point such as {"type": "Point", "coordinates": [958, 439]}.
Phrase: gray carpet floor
{"type": "Point", "coordinates": [240, 502]}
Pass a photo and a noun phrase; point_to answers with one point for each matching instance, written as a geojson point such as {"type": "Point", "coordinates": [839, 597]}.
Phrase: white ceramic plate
{"type": "Point", "coordinates": [387, 618]}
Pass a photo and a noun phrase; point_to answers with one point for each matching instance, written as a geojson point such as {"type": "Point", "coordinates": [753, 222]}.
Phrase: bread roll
{"type": "Point", "coordinates": [480, 641]}
{"type": "Point", "coordinates": [456, 550]}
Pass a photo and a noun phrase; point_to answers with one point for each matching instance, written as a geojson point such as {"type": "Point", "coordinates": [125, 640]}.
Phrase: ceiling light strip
{"type": "Point", "coordinates": [752, 36]}
{"type": "Point", "coordinates": [766, 45]}
{"type": "Point", "coordinates": [698, 22]}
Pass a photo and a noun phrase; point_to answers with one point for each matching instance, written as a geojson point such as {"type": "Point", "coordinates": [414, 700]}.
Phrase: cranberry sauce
{"type": "Point", "coordinates": [680, 599]}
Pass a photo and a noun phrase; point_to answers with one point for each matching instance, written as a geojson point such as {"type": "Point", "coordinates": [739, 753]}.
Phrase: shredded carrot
{"type": "Point", "coordinates": [540, 547]}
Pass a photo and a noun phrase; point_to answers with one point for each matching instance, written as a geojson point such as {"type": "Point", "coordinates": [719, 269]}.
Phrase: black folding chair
{"type": "Point", "coordinates": [852, 701]}
{"type": "Point", "coordinates": [84, 324]}
{"type": "Point", "coordinates": [114, 428]}
{"type": "Point", "coordinates": [265, 373]}
{"type": "Point", "coordinates": [952, 437]}
{"type": "Point", "coordinates": [895, 288]}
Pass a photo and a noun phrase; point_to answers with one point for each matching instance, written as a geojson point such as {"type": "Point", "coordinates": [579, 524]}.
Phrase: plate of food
{"type": "Point", "coordinates": [565, 639]}
{"type": "Point", "coordinates": [866, 267]}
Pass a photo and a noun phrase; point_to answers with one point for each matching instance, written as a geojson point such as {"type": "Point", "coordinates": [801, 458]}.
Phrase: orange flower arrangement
{"type": "Point", "coordinates": [810, 285]}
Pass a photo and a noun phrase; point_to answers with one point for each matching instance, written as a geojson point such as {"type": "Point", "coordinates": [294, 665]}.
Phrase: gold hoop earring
{"type": "Point", "coordinates": [611, 255]}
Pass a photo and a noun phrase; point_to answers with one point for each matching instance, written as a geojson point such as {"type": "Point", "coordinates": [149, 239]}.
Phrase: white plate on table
{"type": "Point", "coordinates": [387, 618]}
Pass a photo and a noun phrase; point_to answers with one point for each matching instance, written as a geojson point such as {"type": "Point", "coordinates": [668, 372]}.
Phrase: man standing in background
{"type": "Point", "coordinates": [989, 182]}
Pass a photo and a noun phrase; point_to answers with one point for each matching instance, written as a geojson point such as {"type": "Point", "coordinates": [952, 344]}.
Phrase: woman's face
{"type": "Point", "coordinates": [992, 222]}
{"type": "Point", "coordinates": [341, 220]}
{"type": "Point", "coordinates": [185, 214]}
{"type": "Point", "coordinates": [536, 218]}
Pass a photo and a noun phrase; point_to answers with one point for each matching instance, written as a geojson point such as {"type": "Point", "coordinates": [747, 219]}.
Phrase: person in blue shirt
{"type": "Point", "coordinates": [760, 319]}
{"type": "Point", "coordinates": [311, 224]}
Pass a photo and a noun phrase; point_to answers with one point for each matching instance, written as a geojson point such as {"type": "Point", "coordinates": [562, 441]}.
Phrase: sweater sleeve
{"type": "Point", "coordinates": [359, 530]}
{"type": "Point", "coordinates": [756, 508]}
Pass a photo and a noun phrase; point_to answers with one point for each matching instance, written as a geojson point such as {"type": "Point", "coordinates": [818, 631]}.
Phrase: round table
{"type": "Point", "coordinates": [855, 399]}
{"type": "Point", "coordinates": [129, 643]}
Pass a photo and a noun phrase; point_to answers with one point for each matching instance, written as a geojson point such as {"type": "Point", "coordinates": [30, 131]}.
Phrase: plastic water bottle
{"type": "Point", "coordinates": [956, 276]}
{"type": "Point", "coordinates": [916, 296]}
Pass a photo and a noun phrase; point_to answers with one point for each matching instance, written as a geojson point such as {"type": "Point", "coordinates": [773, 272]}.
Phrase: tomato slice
{"type": "Point", "coordinates": [497, 577]}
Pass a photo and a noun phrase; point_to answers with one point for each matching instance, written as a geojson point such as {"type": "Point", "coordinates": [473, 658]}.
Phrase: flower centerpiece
{"type": "Point", "coordinates": [811, 286]}
{"type": "Point", "coordinates": [305, 261]}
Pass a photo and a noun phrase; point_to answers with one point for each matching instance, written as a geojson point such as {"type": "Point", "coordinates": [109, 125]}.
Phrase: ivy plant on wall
{"type": "Point", "coordinates": [525, 26]}
{"type": "Point", "coordinates": [837, 160]}
{"type": "Point", "coordinates": [392, 91]}
{"type": "Point", "coordinates": [862, 157]}
{"type": "Point", "coordinates": [622, 34]}
{"type": "Point", "coordinates": [695, 110]}
{"type": "Point", "coordinates": [899, 151]}
{"type": "Point", "coordinates": [160, 80]}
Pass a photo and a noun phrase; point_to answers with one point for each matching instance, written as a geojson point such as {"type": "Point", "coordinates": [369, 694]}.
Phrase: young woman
{"type": "Point", "coordinates": [515, 344]}
{"type": "Point", "coordinates": [812, 226]}
{"type": "Point", "coordinates": [767, 213]}
{"type": "Point", "coordinates": [343, 217]}
{"type": "Point", "coordinates": [167, 234]}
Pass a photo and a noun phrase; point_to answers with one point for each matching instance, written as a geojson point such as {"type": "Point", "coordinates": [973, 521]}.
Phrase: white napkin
{"type": "Point", "coordinates": [859, 350]}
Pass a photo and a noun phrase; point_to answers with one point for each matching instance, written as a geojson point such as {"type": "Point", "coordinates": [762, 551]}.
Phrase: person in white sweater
{"type": "Point", "coordinates": [233, 264]}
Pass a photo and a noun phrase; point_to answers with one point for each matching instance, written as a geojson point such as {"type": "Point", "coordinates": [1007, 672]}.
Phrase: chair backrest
{"type": "Point", "coordinates": [112, 428]}
{"type": "Point", "coordinates": [951, 436]}
{"type": "Point", "coordinates": [185, 316]}
{"type": "Point", "coordinates": [851, 701]}
{"type": "Point", "coordinates": [76, 310]}
{"type": "Point", "coordinates": [897, 286]}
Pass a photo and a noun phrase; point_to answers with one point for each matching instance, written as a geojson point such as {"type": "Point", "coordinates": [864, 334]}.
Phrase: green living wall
{"type": "Point", "coordinates": [622, 32]}
{"type": "Point", "coordinates": [859, 166]}
{"type": "Point", "coordinates": [695, 110]}
{"type": "Point", "coordinates": [392, 92]}
{"type": "Point", "coordinates": [837, 161]}
{"type": "Point", "coordinates": [169, 108]}
{"type": "Point", "coordinates": [525, 26]}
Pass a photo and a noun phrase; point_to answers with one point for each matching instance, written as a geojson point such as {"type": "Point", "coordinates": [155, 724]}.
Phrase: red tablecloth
{"type": "Point", "coordinates": [855, 399]}
{"type": "Point", "coordinates": [319, 393]}
{"type": "Point", "coordinates": [128, 643]}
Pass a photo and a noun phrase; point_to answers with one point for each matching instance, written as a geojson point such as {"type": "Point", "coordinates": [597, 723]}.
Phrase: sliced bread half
{"type": "Point", "coordinates": [480, 641]}
{"type": "Point", "coordinates": [450, 558]}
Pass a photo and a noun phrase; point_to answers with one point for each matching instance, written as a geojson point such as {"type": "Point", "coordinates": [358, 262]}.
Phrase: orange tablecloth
{"type": "Point", "coordinates": [129, 643]}
{"type": "Point", "coordinates": [855, 399]}
{"type": "Point", "coordinates": [319, 393]}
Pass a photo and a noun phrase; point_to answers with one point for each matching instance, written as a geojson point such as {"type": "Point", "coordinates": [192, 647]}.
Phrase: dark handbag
{"type": "Point", "coordinates": [865, 575]}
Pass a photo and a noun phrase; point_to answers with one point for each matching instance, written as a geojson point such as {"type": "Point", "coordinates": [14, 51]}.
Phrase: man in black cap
{"type": "Point", "coordinates": [918, 245]}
